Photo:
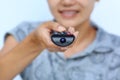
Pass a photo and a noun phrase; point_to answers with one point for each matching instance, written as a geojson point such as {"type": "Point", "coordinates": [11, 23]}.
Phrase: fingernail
{"type": "Point", "coordinates": [71, 29]}
{"type": "Point", "coordinates": [77, 32]}
{"type": "Point", "coordinates": [61, 28]}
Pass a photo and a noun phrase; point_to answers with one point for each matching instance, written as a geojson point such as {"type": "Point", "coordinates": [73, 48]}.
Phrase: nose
{"type": "Point", "coordinates": [68, 2]}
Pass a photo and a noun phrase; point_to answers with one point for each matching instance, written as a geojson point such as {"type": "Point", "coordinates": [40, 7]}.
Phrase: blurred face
{"type": "Point", "coordinates": [71, 12]}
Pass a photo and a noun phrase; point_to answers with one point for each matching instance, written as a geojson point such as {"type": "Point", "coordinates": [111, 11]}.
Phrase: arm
{"type": "Point", "coordinates": [14, 56]}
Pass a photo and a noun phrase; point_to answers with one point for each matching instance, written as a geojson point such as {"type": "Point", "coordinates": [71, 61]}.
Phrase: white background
{"type": "Point", "coordinates": [12, 12]}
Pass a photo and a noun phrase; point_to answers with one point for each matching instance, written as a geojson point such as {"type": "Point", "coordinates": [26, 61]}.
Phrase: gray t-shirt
{"type": "Point", "coordinates": [99, 61]}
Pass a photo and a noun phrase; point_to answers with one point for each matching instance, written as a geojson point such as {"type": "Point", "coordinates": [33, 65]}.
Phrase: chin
{"type": "Point", "coordinates": [68, 23]}
{"type": "Point", "coordinates": [76, 26]}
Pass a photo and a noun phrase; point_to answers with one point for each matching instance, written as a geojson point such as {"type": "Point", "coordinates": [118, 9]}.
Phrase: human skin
{"type": "Point", "coordinates": [70, 15]}
{"type": "Point", "coordinates": [75, 13]}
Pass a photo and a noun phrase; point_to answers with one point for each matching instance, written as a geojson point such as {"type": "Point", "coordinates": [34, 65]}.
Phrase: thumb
{"type": "Point", "coordinates": [76, 34]}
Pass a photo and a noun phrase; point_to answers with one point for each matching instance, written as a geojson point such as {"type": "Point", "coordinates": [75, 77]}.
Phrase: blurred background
{"type": "Point", "coordinates": [12, 12]}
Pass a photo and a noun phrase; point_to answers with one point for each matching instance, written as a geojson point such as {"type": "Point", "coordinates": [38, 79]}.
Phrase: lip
{"type": "Point", "coordinates": [69, 13]}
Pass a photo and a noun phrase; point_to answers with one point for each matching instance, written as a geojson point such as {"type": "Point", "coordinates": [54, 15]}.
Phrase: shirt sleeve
{"type": "Point", "coordinates": [20, 31]}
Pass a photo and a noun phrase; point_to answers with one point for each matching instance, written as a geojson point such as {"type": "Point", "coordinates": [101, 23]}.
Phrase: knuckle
{"type": "Point", "coordinates": [50, 44]}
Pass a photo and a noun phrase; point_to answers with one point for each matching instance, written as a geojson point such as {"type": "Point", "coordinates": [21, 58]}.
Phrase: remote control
{"type": "Point", "coordinates": [62, 39]}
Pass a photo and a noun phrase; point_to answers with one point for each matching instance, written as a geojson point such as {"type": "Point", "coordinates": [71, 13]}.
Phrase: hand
{"type": "Point", "coordinates": [43, 35]}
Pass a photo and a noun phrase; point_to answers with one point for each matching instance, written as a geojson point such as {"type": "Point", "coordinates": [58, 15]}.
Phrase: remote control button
{"type": "Point", "coordinates": [63, 33]}
{"type": "Point", "coordinates": [55, 33]}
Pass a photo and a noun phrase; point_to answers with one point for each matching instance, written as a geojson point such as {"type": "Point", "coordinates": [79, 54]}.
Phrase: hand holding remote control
{"type": "Point", "coordinates": [54, 37]}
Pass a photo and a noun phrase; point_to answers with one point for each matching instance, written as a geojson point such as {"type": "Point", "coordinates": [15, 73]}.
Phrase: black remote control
{"type": "Point", "coordinates": [62, 39]}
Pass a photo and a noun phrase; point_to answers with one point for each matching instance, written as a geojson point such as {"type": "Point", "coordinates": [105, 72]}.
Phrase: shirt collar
{"type": "Point", "coordinates": [93, 47]}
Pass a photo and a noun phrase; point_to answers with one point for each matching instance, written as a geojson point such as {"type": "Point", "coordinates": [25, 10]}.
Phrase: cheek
{"type": "Point", "coordinates": [83, 3]}
{"type": "Point", "coordinates": [51, 4]}
{"type": "Point", "coordinates": [86, 3]}
{"type": "Point", "coordinates": [87, 6]}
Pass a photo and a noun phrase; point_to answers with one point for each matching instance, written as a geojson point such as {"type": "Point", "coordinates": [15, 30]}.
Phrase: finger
{"type": "Point", "coordinates": [47, 40]}
{"type": "Point", "coordinates": [56, 49]}
{"type": "Point", "coordinates": [76, 34]}
{"type": "Point", "coordinates": [71, 30]}
{"type": "Point", "coordinates": [52, 49]}
{"type": "Point", "coordinates": [55, 26]}
{"type": "Point", "coordinates": [63, 48]}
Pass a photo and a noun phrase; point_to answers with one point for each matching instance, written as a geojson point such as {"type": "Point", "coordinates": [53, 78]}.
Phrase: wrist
{"type": "Point", "coordinates": [36, 42]}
